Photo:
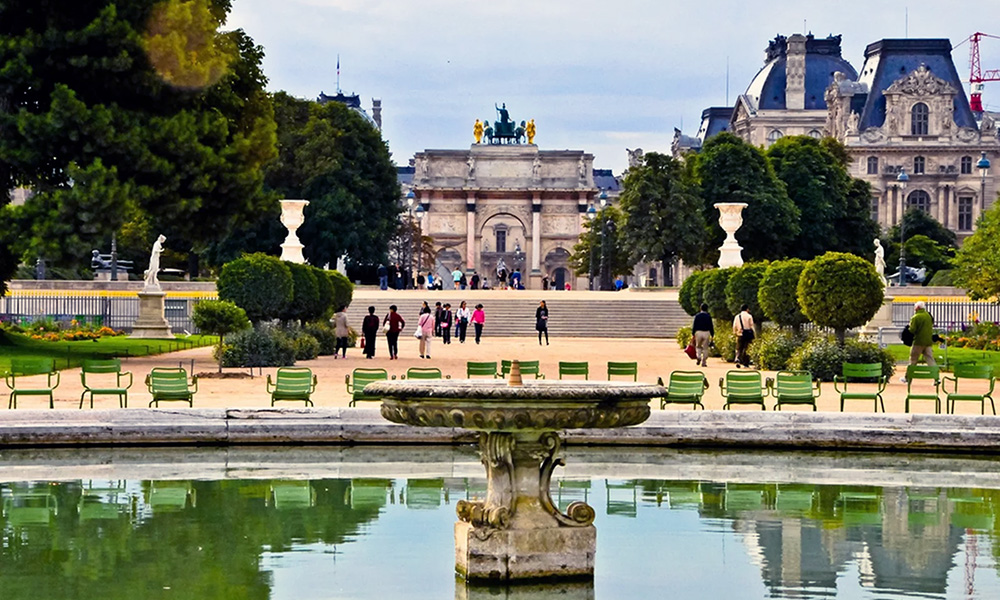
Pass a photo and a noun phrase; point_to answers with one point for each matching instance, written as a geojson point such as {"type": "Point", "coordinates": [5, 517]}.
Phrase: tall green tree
{"type": "Point", "coordinates": [977, 264]}
{"type": "Point", "coordinates": [105, 128]}
{"type": "Point", "coordinates": [333, 157]}
{"type": "Point", "coordinates": [601, 245]}
{"type": "Point", "coordinates": [664, 217]}
{"type": "Point", "coordinates": [731, 170]}
{"type": "Point", "coordinates": [919, 224]}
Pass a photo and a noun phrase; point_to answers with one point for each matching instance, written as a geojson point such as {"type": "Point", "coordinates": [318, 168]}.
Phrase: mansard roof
{"type": "Point", "coordinates": [714, 119]}
{"type": "Point", "coordinates": [767, 89]}
{"type": "Point", "coordinates": [888, 60]}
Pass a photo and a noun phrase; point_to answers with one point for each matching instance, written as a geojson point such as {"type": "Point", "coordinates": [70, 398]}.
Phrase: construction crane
{"type": "Point", "coordinates": [977, 76]}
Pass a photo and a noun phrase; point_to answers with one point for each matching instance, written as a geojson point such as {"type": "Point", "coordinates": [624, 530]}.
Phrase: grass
{"type": "Point", "coordinates": [955, 356]}
{"type": "Point", "coordinates": [71, 354]}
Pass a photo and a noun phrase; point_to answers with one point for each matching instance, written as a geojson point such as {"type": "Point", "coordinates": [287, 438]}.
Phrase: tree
{"type": "Point", "coordinates": [742, 288]}
{"type": "Point", "coordinates": [664, 218]}
{"type": "Point", "coordinates": [219, 317]}
{"type": "Point", "coordinates": [977, 264]}
{"type": "Point", "coordinates": [602, 241]}
{"type": "Point", "coordinates": [815, 175]}
{"type": "Point", "coordinates": [259, 284]}
{"type": "Point", "coordinates": [333, 157]}
{"type": "Point", "coordinates": [306, 304]}
{"type": "Point", "coordinates": [778, 293]}
{"type": "Point", "coordinates": [343, 289]}
{"type": "Point", "coordinates": [840, 291]}
{"type": "Point", "coordinates": [731, 170]}
{"type": "Point", "coordinates": [690, 294]}
{"type": "Point", "coordinates": [714, 294]}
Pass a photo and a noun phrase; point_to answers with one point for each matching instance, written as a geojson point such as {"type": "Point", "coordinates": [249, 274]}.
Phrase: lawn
{"type": "Point", "coordinates": [72, 354]}
{"type": "Point", "coordinates": [955, 355]}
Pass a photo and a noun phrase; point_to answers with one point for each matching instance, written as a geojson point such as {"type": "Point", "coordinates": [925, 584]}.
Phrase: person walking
{"type": "Point", "coordinates": [369, 329]}
{"type": "Point", "coordinates": [456, 277]}
{"type": "Point", "coordinates": [743, 330]}
{"type": "Point", "coordinates": [542, 322]}
{"type": "Point", "coordinates": [438, 315]}
{"type": "Point", "coordinates": [703, 332]}
{"type": "Point", "coordinates": [425, 326]}
{"type": "Point", "coordinates": [478, 320]}
{"type": "Point", "coordinates": [383, 277]}
{"type": "Point", "coordinates": [463, 282]}
{"type": "Point", "coordinates": [922, 328]}
{"type": "Point", "coordinates": [463, 317]}
{"type": "Point", "coordinates": [446, 320]}
{"type": "Point", "coordinates": [396, 324]}
{"type": "Point", "coordinates": [341, 331]}
{"type": "Point", "coordinates": [475, 280]}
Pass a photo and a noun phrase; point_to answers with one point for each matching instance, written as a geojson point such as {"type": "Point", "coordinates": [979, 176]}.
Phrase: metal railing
{"type": "Point", "coordinates": [949, 315]}
{"type": "Point", "coordinates": [116, 310]}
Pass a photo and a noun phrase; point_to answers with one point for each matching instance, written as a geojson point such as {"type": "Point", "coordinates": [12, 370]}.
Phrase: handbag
{"type": "Point", "coordinates": [747, 335]}
{"type": "Point", "coordinates": [385, 327]}
{"type": "Point", "coordinates": [690, 351]}
{"type": "Point", "coordinates": [418, 333]}
{"type": "Point", "coordinates": [906, 336]}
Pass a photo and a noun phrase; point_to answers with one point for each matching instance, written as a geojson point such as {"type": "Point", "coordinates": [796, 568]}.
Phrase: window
{"type": "Point", "coordinates": [965, 213]}
{"type": "Point", "coordinates": [918, 165]}
{"type": "Point", "coordinates": [816, 134]}
{"type": "Point", "coordinates": [920, 200]}
{"type": "Point", "coordinates": [501, 240]}
{"type": "Point", "coordinates": [873, 165]}
{"type": "Point", "coordinates": [966, 165]}
{"type": "Point", "coordinates": [874, 208]}
{"type": "Point", "coordinates": [774, 136]}
{"type": "Point", "coordinates": [919, 117]}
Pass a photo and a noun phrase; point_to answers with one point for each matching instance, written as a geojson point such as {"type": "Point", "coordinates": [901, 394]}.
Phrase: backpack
{"type": "Point", "coordinates": [906, 336]}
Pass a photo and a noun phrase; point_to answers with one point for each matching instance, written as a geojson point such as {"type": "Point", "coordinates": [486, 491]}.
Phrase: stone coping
{"type": "Point", "coordinates": [348, 426]}
{"type": "Point", "coordinates": [500, 391]}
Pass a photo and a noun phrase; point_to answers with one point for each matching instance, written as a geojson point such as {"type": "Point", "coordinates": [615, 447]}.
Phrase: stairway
{"type": "Point", "coordinates": [512, 314]}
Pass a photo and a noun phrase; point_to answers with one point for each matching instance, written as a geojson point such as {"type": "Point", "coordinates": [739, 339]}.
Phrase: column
{"type": "Point", "coordinates": [536, 233]}
{"type": "Point", "coordinates": [471, 247]}
{"type": "Point", "coordinates": [937, 205]}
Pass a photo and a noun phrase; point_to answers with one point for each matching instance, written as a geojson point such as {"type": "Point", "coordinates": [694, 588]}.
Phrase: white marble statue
{"type": "Point", "coordinates": [154, 263]}
{"type": "Point", "coordinates": [880, 261]}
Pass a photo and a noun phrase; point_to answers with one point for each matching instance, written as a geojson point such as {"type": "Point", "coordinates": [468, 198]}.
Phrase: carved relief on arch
{"type": "Point", "coordinates": [485, 212]}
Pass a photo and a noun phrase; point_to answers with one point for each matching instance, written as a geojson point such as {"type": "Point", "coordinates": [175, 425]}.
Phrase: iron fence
{"type": "Point", "coordinates": [116, 310]}
{"type": "Point", "coordinates": [949, 315]}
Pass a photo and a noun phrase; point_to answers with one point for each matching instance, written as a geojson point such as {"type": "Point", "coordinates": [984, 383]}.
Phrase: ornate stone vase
{"type": "Point", "coordinates": [292, 218]}
{"type": "Point", "coordinates": [730, 219]}
{"type": "Point", "coordinates": [517, 532]}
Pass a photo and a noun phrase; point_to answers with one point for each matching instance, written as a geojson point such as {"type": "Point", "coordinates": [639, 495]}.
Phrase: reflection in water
{"type": "Point", "coordinates": [376, 537]}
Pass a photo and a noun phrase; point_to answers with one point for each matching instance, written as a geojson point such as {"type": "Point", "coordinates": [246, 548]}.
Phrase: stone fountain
{"type": "Point", "coordinates": [517, 533]}
{"type": "Point", "coordinates": [730, 219]}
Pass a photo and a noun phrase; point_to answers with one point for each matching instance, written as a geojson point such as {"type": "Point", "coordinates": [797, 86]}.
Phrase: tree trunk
{"type": "Point", "coordinates": [841, 334]}
{"type": "Point", "coordinates": [221, 338]}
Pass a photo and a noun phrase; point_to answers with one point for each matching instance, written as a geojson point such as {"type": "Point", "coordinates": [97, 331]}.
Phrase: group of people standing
{"type": "Point", "coordinates": [430, 324]}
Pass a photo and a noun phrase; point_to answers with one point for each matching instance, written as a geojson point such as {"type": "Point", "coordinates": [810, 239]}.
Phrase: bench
{"type": "Point", "coordinates": [685, 387]}
{"type": "Point", "coordinates": [25, 368]}
{"type": "Point", "coordinates": [171, 385]}
{"type": "Point", "coordinates": [104, 378]}
{"type": "Point", "coordinates": [295, 384]}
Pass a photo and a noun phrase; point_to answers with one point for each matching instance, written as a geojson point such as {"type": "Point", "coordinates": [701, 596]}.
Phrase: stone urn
{"type": "Point", "coordinates": [730, 219]}
{"type": "Point", "coordinates": [292, 218]}
{"type": "Point", "coordinates": [517, 533]}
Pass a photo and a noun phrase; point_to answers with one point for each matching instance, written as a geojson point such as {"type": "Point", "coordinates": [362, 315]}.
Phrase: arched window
{"type": "Point", "coordinates": [919, 117]}
{"type": "Point", "coordinates": [919, 199]}
{"type": "Point", "coordinates": [816, 134]}
{"type": "Point", "coordinates": [774, 136]}
{"type": "Point", "coordinates": [873, 165]}
{"type": "Point", "coordinates": [918, 165]}
{"type": "Point", "coordinates": [966, 165]}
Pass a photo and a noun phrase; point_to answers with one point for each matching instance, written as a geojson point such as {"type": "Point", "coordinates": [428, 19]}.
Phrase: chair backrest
{"type": "Point", "coordinates": [478, 369]}
{"type": "Point", "coordinates": [164, 379]}
{"type": "Point", "coordinates": [743, 383]}
{"type": "Point", "coordinates": [922, 372]}
{"type": "Point", "coordinates": [423, 373]}
{"type": "Point", "coordinates": [794, 383]}
{"type": "Point", "coordinates": [112, 365]}
{"type": "Point", "coordinates": [862, 370]}
{"type": "Point", "coordinates": [31, 366]}
{"type": "Point", "coordinates": [687, 383]}
{"type": "Point", "coordinates": [505, 367]}
{"type": "Point", "coordinates": [294, 379]}
{"type": "Point", "coordinates": [529, 367]}
{"type": "Point", "coordinates": [363, 377]}
{"type": "Point", "coordinates": [623, 368]}
{"type": "Point", "coordinates": [967, 371]}
{"type": "Point", "coordinates": [574, 368]}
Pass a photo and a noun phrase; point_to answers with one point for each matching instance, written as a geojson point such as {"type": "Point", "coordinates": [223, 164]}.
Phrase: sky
{"type": "Point", "coordinates": [595, 75]}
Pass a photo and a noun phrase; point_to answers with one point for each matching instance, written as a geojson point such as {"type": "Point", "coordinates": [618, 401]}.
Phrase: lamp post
{"type": "Point", "coordinates": [410, 198]}
{"type": "Point", "coordinates": [984, 167]}
{"type": "Point", "coordinates": [605, 264]}
{"type": "Point", "coordinates": [901, 181]}
{"type": "Point", "coordinates": [591, 213]}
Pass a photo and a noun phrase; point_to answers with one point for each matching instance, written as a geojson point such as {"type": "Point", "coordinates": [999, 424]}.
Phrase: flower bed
{"type": "Point", "coordinates": [49, 330]}
{"type": "Point", "coordinates": [978, 336]}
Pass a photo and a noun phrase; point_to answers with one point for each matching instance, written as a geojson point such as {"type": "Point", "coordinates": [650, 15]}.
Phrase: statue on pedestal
{"type": "Point", "coordinates": [529, 130]}
{"type": "Point", "coordinates": [152, 281]}
{"type": "Point", "coordinates": [880, 261]}
{"type": "Point", "coordinates": [477, 131]}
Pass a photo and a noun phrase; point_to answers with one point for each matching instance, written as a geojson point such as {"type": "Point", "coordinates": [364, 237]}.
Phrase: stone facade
{"type": "Point", "coordinates": [514, 203]}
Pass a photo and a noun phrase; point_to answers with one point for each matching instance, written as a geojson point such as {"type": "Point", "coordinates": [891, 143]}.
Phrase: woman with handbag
{"type": "Point", "coordinates": [424, 332]}
{"type": "Point", "coordinates": [743, 330]}
{"type": "Point", "coordinates": [393, 324]}
{"type": "Point", "coordinates": [703, 331]}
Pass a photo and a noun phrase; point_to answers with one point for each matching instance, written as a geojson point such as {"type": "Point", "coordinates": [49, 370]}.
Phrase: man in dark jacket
{"type": "Point", "coordinates": [703, 332]}
{"type": "Point", "coordinates": [446, 321]}
{"type": "Point", "coordinates": [438, 315]}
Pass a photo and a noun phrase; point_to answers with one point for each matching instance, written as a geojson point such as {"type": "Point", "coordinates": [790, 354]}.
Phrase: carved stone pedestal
{"type": "Point", "coordinates": [151, 322]}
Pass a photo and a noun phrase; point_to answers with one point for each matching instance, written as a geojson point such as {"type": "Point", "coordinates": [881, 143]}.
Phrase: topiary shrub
{"type": "Point", "coordinates": [343, 289]}
{"type": "Point", "coordinates": [259, 284]}
{"type": "Point", "coordinates": [840, 291]}
{"type": "Point", "coordinates": [305, 305]}
{"type": "Point", "coordinates": [778, 293]}
{"type": "Point", "coordinates": [690, 293]}
{"type": "Point", "coordinates": [324, 334]}
{"type": "Point", "coordinates": [306, 347]}
{"type": "Point", "coordinates": [823, 356]}
{"type": "Point", "coordinates": [774, 348]}
{"type": "Point", "coordinates": [684, 336]}
{"type": "Point", "coordinates": [219, 317]}
{"type": "Point", "coordinates": [714, 294]}
{"type": "Point", "coordinates": [325, 286]}
{"type": "Point", "coordinates": [262, 346]}
{"type": "Point", "coordinates": [742, 287]}
{"type": "Point", "coordinates": [725, 344]}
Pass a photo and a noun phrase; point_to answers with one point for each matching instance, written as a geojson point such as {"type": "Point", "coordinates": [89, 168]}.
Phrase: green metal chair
{"type": "Point", "coordinates": [924, 373]}
{"type": "Point", "coordinates": [623, 369]}
{"type": "Point", "coordinates": [855, 371]}
{"type": "Point", "coordinates": [794, 387]}
{"type": "Point", "coordinates": [292, 384]}
{"type": "Point", "coordinates": [100, 373]}
{"type": "Point", "coordinates": [743, 387]}
{"type": "Point", "coordinates": [357, 381]}
{"type": "Point", "coordinates": [481, 369]}
{"type": "Point", "coordinates": [171, 385]}
{"type": "Point", "coordinates": [983, 374]}
{"type": "Point", "coordinates": [528, 367]}
{"type": "Point", "coordinates": [22, 369]}
{"type": "Point", "coordinates": [685, 387]}
{"type": "Point", "coordinates": [424, 373]}
{"type": "Point", "coordinates": [574, 368]}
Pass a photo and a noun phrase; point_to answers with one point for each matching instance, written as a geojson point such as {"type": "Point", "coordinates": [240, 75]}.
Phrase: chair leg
{"type": "Point", "coordinates": [992, 406]}
{"type": "Point", "coordinates": [52, 403]}
{"type": "Point", "coordinates": [81, 399]}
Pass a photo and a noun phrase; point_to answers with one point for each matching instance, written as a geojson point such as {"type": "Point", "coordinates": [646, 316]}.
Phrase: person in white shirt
{"type": "Point", "coordinates": [743, 330]}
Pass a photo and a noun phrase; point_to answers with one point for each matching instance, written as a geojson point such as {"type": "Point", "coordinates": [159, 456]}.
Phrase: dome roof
{"type": "Point", "coordinates": [767, 90]}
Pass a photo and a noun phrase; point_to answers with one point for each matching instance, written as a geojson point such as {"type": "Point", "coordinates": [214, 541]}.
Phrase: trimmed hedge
{"type": "Point", "coordinates": [690, 294]}
{"type": "Point", "coordinates": [822, 356]}
{"type": "Point", "coordinates": [343, 290]}
{"type": "Point", "coordinates": [774, 348]}
{"type": "Point", "coordinates": [840, 291]}
{"type": "Point", "coordinates": [306, 304]}
{"type": "Point", "coordinates": [778, 293]}
{"type": "Point", "coordinates": [684, 336]}
{"type": "Point", "coordinates": [259, 284]}
{"type": "Point", "coordinates": [261, 346]}
{"type": "Point", "coordinates": [742, 288]}
{"type": "Point", "coordinates": [714, 294]}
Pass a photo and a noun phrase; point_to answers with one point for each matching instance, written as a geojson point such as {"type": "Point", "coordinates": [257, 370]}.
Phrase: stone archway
{"type": "Point", "coordinates": [503, 237]}
{"type": "Point", "coordinates": [556, 264]}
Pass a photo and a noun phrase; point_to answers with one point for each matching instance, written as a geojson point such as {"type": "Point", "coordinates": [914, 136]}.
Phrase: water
{"type": "Point", "coordinates": [377, 523]}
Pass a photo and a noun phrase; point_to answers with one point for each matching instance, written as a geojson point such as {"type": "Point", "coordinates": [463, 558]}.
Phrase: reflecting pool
{"type": "Point", "coordinates": [377, 523]}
